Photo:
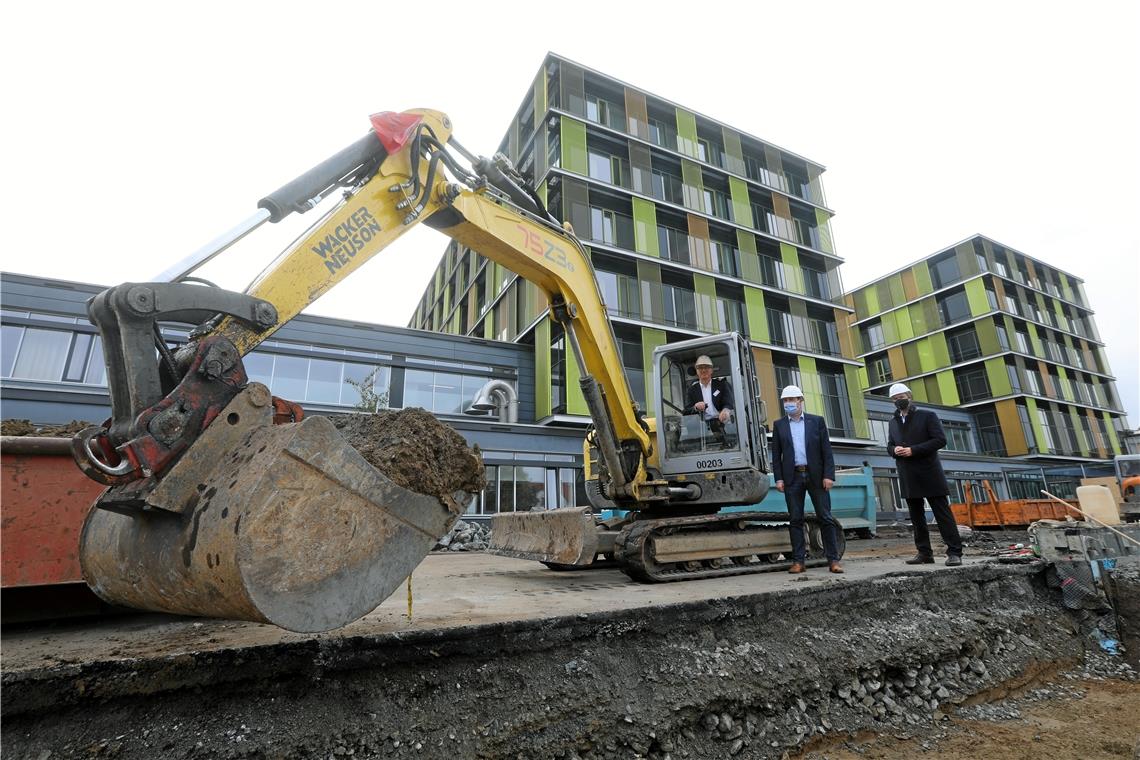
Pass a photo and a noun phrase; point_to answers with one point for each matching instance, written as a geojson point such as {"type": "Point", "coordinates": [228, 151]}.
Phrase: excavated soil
{"type": "Point", "coordinates": [842, 670]}
{"type": "Point", "coordinates": [25, 427]}
{"type": "Point", "coordinates": [418, 452]}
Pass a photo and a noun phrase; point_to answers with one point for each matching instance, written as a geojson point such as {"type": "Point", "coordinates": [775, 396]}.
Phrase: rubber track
{"type": "Point", "coordinates": [629, 549]}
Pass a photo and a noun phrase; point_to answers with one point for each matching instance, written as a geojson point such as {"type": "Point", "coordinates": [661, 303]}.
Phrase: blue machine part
{"type": "Point", "coordinates": [852, 501]}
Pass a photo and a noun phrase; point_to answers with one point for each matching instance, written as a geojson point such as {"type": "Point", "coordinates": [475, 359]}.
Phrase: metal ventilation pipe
{"type": "Point", "coordinates": [496, 394]}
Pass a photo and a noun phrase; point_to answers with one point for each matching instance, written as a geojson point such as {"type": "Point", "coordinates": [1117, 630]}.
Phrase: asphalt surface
{"type": "Point", "coordinates": [448, 590]}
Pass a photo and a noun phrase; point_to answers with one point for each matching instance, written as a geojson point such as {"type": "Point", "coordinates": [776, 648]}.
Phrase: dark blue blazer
{"type": "Point", "coordinates": [820, 461]}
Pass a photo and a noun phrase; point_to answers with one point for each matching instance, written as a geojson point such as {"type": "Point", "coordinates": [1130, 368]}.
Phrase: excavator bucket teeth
{"type": "Point", "coordinates": [292, 527]}
{"type": "Point", "coordinates": [558, 536]}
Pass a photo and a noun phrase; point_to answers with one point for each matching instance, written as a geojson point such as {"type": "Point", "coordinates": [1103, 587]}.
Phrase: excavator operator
{"type": "Point", "coordinates": [710, 397]}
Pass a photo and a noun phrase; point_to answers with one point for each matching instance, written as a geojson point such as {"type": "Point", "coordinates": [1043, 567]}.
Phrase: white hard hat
{"type": "Point", "coordinates": [703, 361]}
{"type": "Point", "coordinates": [791, 391]}
{"type": "Point", "coordinates": [896, 389]}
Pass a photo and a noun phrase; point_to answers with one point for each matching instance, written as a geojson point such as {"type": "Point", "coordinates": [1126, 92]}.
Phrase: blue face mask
{"type": "Point", "coordinates": [791, 408]}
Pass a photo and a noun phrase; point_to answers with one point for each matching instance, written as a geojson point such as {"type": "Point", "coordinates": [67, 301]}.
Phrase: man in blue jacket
{"type": "Point", "coordinates": [803, 464]}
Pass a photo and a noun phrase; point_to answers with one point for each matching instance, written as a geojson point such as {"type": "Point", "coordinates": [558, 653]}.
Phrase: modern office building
{"type": "Point", "coordinates": [51, 372]}
{"type": "Point", "coordinates": [693, 228]}
{"type": "Point", "coordinates": [991, 330]}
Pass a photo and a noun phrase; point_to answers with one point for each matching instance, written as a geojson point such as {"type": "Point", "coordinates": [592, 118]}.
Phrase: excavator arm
{"type": "Point", "coordinates": [211, 509]}
{"type": "Point", "coordinates": [487, 211]}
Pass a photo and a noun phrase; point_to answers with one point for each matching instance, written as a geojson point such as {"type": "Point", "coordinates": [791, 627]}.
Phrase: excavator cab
{"type": "Point", "coordinates": [688, 437]}
{"type": "Point", "coordinates": [717, 454]}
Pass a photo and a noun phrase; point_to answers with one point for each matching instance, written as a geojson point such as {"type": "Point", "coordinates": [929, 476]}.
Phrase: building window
{"type": "Point", "coordinates": [972, 383]}
{"type": "Point", "coordinates": [989, 433]}
{"type": "Point", "coordinates": [786, 376]}
{"type": "Point", "coordinates": [557, 369]}
{"type": "Point", "coordinates": [32, 353]}
{"type": "Point", "coordinates": [954, 307]}
{"type": "Point", "coordinates": [1014, 376]}
{"type": "Point", "coordinates": [772, 272]}
{"type": "Point", "coordinates": [440, 392]}
{"type": "Point", "coordinates": [880, 368]}
{"type": "Point", "coordinates": [836, 408]}
{"type": "Point", "coordinates": [1027, 428]}
{"type": "Point", "coordinates": [963, 345]}
{"type": "Point", "coordinates": [944, 271]}
{"type": "Point", "coordinates": [1002, 336]}
{"type": "Point", "coordinates": [780, 329]}
{"type": "Point", "coordinates": [959, 437]}
{"type": "Point", "coordinates": [873, 336]}
{"type": "Point", "coordinates": [605, 112]}
{"type": "Point", "coordinates": [661, 133]}
{"type": "Point", "coordinates": [726, 258]}
{"type": "Point", "coordinates": [880, 430]}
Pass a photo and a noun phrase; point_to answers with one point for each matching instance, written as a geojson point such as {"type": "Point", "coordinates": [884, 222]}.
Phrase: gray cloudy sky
{"type": "Point", "coordinates": [136, 132]}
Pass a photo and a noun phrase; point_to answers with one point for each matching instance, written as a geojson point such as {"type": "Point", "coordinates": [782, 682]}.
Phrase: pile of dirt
{"type": "Point", "coordinates": [25, 427]}
{"type": "Point", "coordinates": [418, 452]}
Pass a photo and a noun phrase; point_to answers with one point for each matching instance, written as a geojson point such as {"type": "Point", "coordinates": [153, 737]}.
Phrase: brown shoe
{"type": "Point", "coordinates": [796, 568]}
{"type": "Point", "coordinates": [835, 567]}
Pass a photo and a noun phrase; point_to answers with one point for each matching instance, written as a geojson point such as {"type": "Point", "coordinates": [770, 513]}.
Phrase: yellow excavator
{"type": "Point", "coordinates": [224, 501]}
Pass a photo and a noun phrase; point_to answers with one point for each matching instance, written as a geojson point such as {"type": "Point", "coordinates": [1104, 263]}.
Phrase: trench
{"type": "Point", "coordinates": [746, 676]}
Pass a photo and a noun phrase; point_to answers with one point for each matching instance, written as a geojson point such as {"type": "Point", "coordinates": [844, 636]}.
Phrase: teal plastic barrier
{"type": "Point", "coordinates": [852, 501]}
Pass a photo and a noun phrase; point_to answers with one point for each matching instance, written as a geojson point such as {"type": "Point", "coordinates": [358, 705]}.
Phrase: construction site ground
{"type": "Point", "coordinates": [504, 658]}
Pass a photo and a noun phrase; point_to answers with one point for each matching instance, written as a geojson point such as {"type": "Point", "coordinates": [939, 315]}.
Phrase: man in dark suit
{"type": "Point", "coordinates": [803, 464]}
{"type": "Point", "coordinates": [913, 439]}
{"type": "Point", "coordinates": [710, 397]}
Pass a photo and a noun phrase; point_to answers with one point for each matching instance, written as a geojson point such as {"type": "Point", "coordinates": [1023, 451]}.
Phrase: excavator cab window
{"type": "Point", "coordinates": [707, 421]}
{"type": "Point", "coordinates": [699, 418]}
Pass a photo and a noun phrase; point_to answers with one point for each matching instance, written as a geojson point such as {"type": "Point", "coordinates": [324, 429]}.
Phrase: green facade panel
{"type": "Point", "coordinates": [904, 327]}
{"type": "Point", "coordinates": [741, 206]}
{"type": "Point", "coordinates": [1082, 440]}
{"type": "Point", "coordinates": [542, 370]}
{"type": "Point", "coordinates": [976, 295]}
{"type": "Point", "coordinates": [940, 350]}
{"type": "Point", "coordinates": [898, 295]}
{"type": "Point", "coordinates": [792, 272]}
{"type": "Point", "coordinates": [987, 337]}
{"type": "Point", "coordinates": [687, 133]}
{"type": "Point", "coordinates": [1116, 450]}
{"type": "Point", "coordinates": [926, 360]}
{"type": "Point", "coordinates": [872, 296]}
{"type": "Point", "coordinates": [749, 258]}
{"type": "Point", "coordinates": [810, 385]}
{"type": "Point", "coordinates": [645, 227]}
{"type": "Point", "coordinates": [707, 317]}
{"type": "Point", "coordinates": [693, 186]}
{"type": "Point", "coordinates": [574, 156]}
{"type": "Point", "coordinates": [823, 224]}
{"type": "Point", "coordinates": [998, 377]}
{"type": "Point", "coordinates": [1066, 389]}
{"type": "Point", "coordinates": [1035, 423]}
{"type": "Point", "coordinates": [651, 338]}
{"type": "Point", "coordinates": [1035, 339]}
{"type": "Point", "coordinates": [922, 278]}
{"type": "Point", "coordinates": [757, 314]}
{"type": "Point", "coordinates": [948, 389]}
{"type": "Point", "coordinates": [855, 399]}
{"type": "Point", "coordinates": [575, 401]}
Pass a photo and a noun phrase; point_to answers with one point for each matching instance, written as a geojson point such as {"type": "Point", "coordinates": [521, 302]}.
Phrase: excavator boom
{"type": "Point", "coordinates": [212, 509]}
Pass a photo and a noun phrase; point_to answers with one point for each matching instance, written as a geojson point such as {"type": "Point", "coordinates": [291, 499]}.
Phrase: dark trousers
{"type": "Point", "coordinates": [947, 527]}
{"type": "Point", "coordinates": [794, 493]}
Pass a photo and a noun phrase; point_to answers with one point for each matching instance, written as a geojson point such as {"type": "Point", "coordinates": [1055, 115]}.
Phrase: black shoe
{"type": "Point", "coordinates": [921, 559]}
{"type": "Point", "coordinates": [952, 560]}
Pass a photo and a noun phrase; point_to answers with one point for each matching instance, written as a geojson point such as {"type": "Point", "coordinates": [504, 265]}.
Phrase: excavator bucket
{"type": "Point", "coordinates": [559, 536]}
{"type": "Point", "coordinates": [282, 524]}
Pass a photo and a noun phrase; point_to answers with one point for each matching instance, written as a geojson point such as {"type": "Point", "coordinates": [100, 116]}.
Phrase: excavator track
{"type": "Point", "coordinates": [713, 546]}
